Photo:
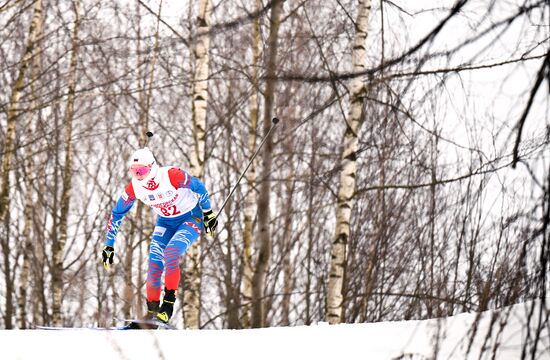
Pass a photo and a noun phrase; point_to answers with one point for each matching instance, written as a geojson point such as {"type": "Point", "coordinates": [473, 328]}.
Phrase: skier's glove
{"type": "Point", "coordinates": [107, 255]}
{"type": "Point", "coordinates": [210, 222]}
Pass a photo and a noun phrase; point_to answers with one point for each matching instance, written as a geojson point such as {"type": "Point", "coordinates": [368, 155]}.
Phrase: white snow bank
{"type": "Point", "coordinates": [386, 340]}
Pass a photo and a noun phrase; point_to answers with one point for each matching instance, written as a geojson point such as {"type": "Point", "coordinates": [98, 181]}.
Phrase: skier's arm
{"type": "Point", "coordinates": [123, 205]}
{"type": "Point", "coordinates": [198, 188]}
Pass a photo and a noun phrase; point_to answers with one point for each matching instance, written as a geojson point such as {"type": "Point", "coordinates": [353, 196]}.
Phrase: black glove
{"type": "Point", "coordinates": [210, 222]}
{"type": "Point", "coordinates": [108, 254]}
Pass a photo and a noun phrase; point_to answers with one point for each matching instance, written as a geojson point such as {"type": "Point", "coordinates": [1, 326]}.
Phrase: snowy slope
{"type": "Point", "coordinates": [387, 340]}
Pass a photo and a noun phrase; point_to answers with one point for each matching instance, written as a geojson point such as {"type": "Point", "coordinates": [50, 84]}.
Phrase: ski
{"type": "Point", "coordinates": [141, 324]}
{"type": "Point", "coordinates": [147, 324]}
{"type": "Point", "coordinates": [41, 327]}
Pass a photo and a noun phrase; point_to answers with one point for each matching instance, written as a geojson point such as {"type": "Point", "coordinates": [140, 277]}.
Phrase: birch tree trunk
{"type": "Point", "coordinates": [192, 275]}
{"type": "Point", "coordinates": [346, 190]}
{"type": "Point", "coordinates": [58, 246]}
{"type": "Point", "coordinates": [264, 238]}
{"type": "Point", "coordinates": [8, 153]}
{"type": "Point", "coordinates": [28, 242]}
{"type": "Point", "coordinates": [250, 199]}
{"type": "Point", "coordinates": [29, 196]}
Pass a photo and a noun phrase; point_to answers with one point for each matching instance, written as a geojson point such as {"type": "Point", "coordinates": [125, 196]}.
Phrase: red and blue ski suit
{"type": "Point", "coordinates": [179, 200]}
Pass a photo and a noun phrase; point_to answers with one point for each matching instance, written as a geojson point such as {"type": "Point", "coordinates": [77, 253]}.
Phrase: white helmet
{"type": "Point", "coordinates": [144, 157]}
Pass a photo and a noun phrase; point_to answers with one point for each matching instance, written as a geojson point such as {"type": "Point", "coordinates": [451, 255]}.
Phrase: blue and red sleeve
{"type": "Point", "coordinates": [181, 179]}
{"type": "Point", "coordinates": [122, 206]}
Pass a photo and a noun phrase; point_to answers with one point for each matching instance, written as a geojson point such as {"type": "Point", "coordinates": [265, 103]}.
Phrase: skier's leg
{"type": "Point", "coordinates": [161, 236]}
{"type": "Point", "coordinates": [162, 233]}
{"type": "Point", "coordinates": [184, 237]}
{"type": "Point", "coordinates": [187, 233]}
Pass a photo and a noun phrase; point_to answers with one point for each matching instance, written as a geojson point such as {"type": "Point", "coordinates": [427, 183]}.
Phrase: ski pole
{"type": "Point", "coordinates": [274, 121]}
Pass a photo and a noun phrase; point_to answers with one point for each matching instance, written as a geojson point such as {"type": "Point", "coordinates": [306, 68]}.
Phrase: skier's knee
{"type": "Point", "coordinates": [171, 258]}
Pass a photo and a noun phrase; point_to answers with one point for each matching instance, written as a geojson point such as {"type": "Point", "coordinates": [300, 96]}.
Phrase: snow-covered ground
{"type": "Point", "coordinates": [386, 340]}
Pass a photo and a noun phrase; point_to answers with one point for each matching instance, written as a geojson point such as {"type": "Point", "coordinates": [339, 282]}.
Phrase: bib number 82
{"type": "Point", "coordinates": [170, 211]}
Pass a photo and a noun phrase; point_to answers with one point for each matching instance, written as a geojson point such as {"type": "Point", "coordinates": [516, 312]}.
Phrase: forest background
{"type": "Point", "coordinates": [408, 177]}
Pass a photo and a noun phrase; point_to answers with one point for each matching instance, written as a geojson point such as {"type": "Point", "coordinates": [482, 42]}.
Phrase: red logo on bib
{"type": "Point", "coordinates": [152, 185]}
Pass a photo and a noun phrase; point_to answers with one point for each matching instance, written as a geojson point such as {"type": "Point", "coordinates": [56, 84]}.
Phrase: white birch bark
{"type": "Point", "coordinates": [29, 242]}
{"type": "Point", "coordinates": [346, 190]}
{"type": "Point", "coordinates": [192, 274]}
{"type": "Point", "coordinates": [8, 153]}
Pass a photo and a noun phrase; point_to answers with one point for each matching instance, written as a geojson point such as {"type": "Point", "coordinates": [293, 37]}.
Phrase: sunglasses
{"type": "Point", "coordinates": [140, 170]}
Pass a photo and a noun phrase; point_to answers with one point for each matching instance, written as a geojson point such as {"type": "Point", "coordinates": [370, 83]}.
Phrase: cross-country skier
{"type": "Point", "coordinates": [182, 205]}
